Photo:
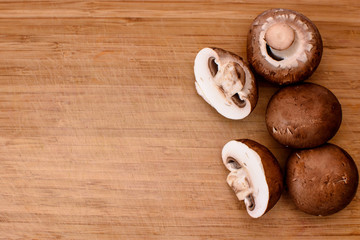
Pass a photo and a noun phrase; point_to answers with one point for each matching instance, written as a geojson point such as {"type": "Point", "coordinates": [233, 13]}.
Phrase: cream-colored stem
{"type": "Point", "coordinates": [230, 79]}
{"type": "Point", "coordinates": [238, 181]}
{"type": "Point", "coordinates": [280, 36]}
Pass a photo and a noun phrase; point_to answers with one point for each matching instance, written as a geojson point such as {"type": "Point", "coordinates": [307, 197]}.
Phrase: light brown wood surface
{"type": "Point", "coordinates": [103, 135]}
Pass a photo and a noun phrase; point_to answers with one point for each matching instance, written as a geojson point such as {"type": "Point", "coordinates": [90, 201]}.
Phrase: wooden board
{"type": "Point", "coordinates": [103, 135]}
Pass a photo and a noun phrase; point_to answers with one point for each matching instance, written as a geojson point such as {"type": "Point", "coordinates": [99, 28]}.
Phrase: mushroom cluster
{"type": "Point", "coordinates": [283, 47]}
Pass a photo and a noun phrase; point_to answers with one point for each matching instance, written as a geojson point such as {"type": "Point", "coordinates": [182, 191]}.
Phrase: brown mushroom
{"type": "Point", "coordinates": [284, 46]}
{"type": "Point", "coordinates": [323, 180]}
{"type": "Point", "coordinates": [225, 81]}
{"type": "Point", "coordinates": [255, 175]}
{"type": "Point", "coordinates": [303, 116]}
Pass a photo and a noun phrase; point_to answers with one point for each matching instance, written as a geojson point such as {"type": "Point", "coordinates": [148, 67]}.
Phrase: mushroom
{"type": "Point", "coordinates": [303, 116]}
{"type": "Point", "coordinates": [255, 175]}
{"type": "Point", "coordinates": [284, 46]}
{"type": "Point", "coordinates": [323, 180]}
{"type": "Point", "coordinates": [225, 81]}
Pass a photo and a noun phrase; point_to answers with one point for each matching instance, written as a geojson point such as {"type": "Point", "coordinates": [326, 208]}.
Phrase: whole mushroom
{"type": "Point", "coordinates": [225, 81]}
{"type": "Point", "coordinates": [255, 175]}
{"type": "Point", "coordinates": [322, 180]}
{"type": "Point", "coordinates": [284, 46]}
{"type": "Point", "coordinates": [303, 116]}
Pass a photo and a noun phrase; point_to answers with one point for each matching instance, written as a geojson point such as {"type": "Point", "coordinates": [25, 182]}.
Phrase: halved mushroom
{"type": "Point", "coordinates": [322, 180]}
{"type": "Point", "coordinates": [255, 175]}
{"type": "Point", "coordinates": [284, 46]}
{"type": "Point", "coordinates": [225, 81]}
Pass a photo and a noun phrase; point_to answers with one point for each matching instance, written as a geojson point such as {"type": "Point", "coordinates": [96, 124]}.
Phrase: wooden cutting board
{"type": "Point", "coordinates": [103, 135]}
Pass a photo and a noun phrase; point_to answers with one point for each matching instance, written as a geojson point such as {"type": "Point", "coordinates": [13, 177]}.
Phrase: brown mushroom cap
{"type": "Point", "coordinates": [259, 165]}
{"type": "Point", "coordinates": [303, 116]}
{"type": "Point", "coordinates": [292, 63]}
{"type": "Point", "coordinates": [322, 180]}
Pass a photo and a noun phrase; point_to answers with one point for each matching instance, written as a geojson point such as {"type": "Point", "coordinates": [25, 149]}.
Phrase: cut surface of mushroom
{"type": "Point", "coordinates": [225, 82]}
{"type": "Point", "coordinates": [255, 175]}
{"type": "Point", "coordinates": [239, 182]}
{"type": "Point", "coordinates": [284, 46]}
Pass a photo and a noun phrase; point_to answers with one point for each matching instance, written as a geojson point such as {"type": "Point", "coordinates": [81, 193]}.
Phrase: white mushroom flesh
{"type": "Point", "coordinates": [218, 89]}
{"type": "Point", "coordinates": [246, 177]}
{"type": "Point", "coordinates": [300, 47]}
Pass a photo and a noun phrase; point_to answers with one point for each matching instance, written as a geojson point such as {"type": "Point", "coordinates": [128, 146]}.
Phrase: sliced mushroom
{"type": "Point", "coordinates": [225, 81]}
{"type": "Point", "coordinates": [284, 46]}
{"type": "Point", "coordinates": [322, 180]}
{"type": "Point", "coordinates": [255, 175]}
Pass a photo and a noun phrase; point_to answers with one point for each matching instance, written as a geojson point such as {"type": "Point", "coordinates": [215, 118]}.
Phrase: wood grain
{"type": "Point", "coordinates": [103, 135]}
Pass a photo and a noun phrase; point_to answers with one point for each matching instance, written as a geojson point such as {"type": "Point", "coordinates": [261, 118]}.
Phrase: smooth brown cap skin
{"type": "Point", "coordinates": [323, 180]}
{"type": "Point", "coordinates": [283, 76]}
{"type": "Point", "coordinates": [273, 174]}
{"type": "Point", "coordinates": [303, 116]}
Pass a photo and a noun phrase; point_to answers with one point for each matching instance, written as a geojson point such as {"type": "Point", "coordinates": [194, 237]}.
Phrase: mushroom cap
{"type": "Point", "coordinates": [322, 180]}
{"type": "Point", "coordinates": [292, 65]}
{"type": "Point", "coordinates": [303, 116]}
{"type": "Point", "coordinates": [263, 170]}
{"type": "Point", "coordinates": [225, 81]}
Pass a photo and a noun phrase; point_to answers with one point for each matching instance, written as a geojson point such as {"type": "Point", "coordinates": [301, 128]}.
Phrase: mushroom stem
{"type": "Point", "coordinates": [239, 182]}
{"type": "Point", "coordinates": [280, 36]}
{"type": "Point", "coordinates": [230, 79]}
